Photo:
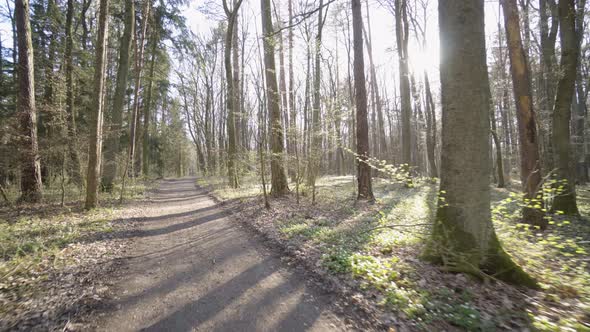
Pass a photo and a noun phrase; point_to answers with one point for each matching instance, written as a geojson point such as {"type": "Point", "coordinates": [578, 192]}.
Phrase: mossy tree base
{"type": "Point", "coordinates": [462, 251]}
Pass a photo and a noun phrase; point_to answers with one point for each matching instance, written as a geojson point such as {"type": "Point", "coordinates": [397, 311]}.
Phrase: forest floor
{"type": "Point", "coordinates": [53, 258]}
{"type": "Point", "coordinates": [172, 261]}
{"type": "Point", "coordinates": [206, 257]}
{"type": "Point", "coordinates": [371, 253]}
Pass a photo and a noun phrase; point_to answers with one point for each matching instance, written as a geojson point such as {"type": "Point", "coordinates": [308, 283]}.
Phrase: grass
{"type": "Point", "coordinates": [378, 246]}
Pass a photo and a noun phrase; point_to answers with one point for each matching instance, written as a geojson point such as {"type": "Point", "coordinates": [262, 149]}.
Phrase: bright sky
{"type": "Point", "coordinates": [382, 27]}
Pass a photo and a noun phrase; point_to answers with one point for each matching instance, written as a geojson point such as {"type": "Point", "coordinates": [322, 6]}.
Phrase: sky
{"type": "Point", "coordinates": [382, 29]}
{"type": "Point", "coordinates": [202, 15]}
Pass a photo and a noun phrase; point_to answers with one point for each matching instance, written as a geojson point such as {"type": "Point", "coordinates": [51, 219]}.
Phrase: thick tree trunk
{"type": "Point", "coordinates": [95, 149]}
{"type": "Point", "coordinates": [530, 166]}
{"type": "Point", "coordinates": [463, 234]}
{"type": "Point", "coordinates": [365, 185]}
{"type": "Point", "coordinates": [31, 186]}
{"type": "Point", "coordinates": [566, 199]}
{"type": "Point", "coordinates": [112, 146]}
{"type": "Point", "coordinates": [278, 177]}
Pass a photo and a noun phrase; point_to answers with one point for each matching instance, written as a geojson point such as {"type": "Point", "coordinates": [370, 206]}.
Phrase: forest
{"type": "Point", "coordinates": [387, 165]}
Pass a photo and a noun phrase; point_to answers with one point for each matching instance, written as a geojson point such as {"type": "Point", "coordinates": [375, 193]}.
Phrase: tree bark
{"type": "Point", "coordinates": [95, 150]}
{"type": "Point", "coordinates": [139, 48]}
{"type": "Point", "coordinates": [31, 185]}
{"type": "Point", "coordinates": [231, 99]}
{"type": "Point", "coordinates": [74, 167]}
{"type": "Point", "coordinates": [530, 167]}
{"type": "Point", "coordinates": [566, 199]}
{"type": "Point", "coordinates": [365, 185]}
{"type": "Point", "coordinates": [401, 32]}
{"type": "Point", "coordinates": [112, 146]}
{"type": "Point", "coordinates": [279, 185]}
{"type": "Point", "coordinates": [463, 235]}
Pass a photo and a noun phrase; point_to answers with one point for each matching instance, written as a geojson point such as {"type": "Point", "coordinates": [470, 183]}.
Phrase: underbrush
{"type": "Point", "coordinates": [377, 248]}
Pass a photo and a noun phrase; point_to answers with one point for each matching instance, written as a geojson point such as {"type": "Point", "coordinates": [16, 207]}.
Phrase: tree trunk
{"type": "Point", "coordinates": [279, 185]}
{"type": "Point", "coordinates": [496, 139]}
{"type": "Point", "coordinates": [316, 132]}
{"type": "Point", "coordinates": [231, 97]}
{"type": "Point", "coordinates": [530, 167]}
{"type": "Point", "coordinates": [463, 234]}
{"type": "Point", "coordinates": [95, 150]}
{"type": "Point", "coordinates": [401, 32]}
{"type": "Point", "coordinates": [31, 186]}
{"type": "Point", "coordinates": [566, 199]}
{"type": "Point", "coordinates": [112, 146]}
{"type": "Point", "coordinates": [365, 185]}
{"type": "Point", "coordinates": [148, 103]}
{"type": "Point", "coordinates": [74, 168]}
{"type": "Point", "coordinates": [430, 129]}
{"type": "Point", "coordinates": [139, 48]}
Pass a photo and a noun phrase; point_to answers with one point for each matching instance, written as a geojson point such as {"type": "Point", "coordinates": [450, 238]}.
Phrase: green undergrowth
{"type": "Point", "coordinates": [378, 246]}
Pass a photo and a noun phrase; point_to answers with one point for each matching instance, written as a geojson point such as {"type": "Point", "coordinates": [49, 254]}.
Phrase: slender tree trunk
{"type": "Point", "coordinates": [139, 48]}
{"type": "Point", "coordinates": [496, 139]}
{"type": "Point", "coordinates": [381, 141]}
{"type": "Point", "coordinates": [74, 168]}
{"type": "Point", "coordinates": [148, 101]}
{"type": "Point", "coordinates": [463, 235]}
{"type": "Point", "coordinates": [95, 150]}
{"type": "Point", "coordinates": [278, 177]}
{"type": "Point", "coordinates": [566, 200]}
{"type": "Point", "coordinates": [365, 185]}
{"type": "Point", "coordinates": [31, 186]}
{"type": "Point", "coordinates": [112, 146]}
{"type": "Point", "coordinates": [314, 160]}
{"type": "Point", "coordinates": [292, 132]}
{"type": "Point", "coordinates": [530, 167]}
{"type": "Point", "coordinates": [401, 32]}
{"type": "Point", "coordinates": [430, 129]}
{"type": "Point", "coordinates": [231, 99]}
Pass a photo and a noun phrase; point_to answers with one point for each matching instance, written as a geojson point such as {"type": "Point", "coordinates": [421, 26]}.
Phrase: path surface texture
{"type": "Point", "coordinates": [192, 268]}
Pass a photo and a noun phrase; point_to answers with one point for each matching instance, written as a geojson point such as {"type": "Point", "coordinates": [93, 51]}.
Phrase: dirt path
{"type": "Point", "coordinates": [192, 268]}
